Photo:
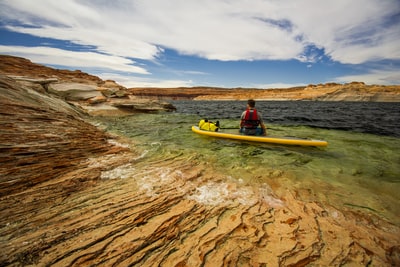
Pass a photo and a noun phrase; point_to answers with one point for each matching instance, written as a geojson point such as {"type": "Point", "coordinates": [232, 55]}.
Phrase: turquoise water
{"type": "Point", "coordinates": [356, 171]}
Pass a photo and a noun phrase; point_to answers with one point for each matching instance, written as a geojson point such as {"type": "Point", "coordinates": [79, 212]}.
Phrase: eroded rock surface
{"type": "Point", "coordinates": [88, 92]}
{"type": "Point", "coordinates": [74, 91]}
{"type": "Point", "coordinates": [71, 195]}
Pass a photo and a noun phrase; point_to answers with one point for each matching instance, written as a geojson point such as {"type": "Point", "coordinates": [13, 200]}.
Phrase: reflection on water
{"type": "Point", "coordinates": [356, 171]}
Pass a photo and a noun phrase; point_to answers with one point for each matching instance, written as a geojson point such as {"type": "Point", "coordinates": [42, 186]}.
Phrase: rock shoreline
{"type": "Point", "coordinates": [73, 195]}
{"type": "Point", "coordinates": [87, 92]}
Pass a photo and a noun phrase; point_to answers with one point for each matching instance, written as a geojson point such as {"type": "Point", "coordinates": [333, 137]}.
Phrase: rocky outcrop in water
{"type": "Point", "coordinates": [73, 195]}
{"type": "Point", "coordinates": [88, 92]}
{"type": "Point", "coordinates": [355, 91]}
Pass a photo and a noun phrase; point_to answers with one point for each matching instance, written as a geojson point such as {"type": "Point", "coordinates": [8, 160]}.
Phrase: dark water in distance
{"type": "Point", "coordinates": [380, 118]}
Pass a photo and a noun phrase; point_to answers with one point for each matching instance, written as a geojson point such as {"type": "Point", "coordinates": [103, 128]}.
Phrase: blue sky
{"type": "Point", "coordinates": [222, 43]}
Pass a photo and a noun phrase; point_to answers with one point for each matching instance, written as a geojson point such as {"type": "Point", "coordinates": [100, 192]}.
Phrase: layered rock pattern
{"type": "Point", "coordinates": [41, 138]}
{"type": "Point", "coordinates": [72, 195]}
{"type": "Point", "coordinates": [355, 91]}
{"type": "Point", "coordinates": [88, 92]}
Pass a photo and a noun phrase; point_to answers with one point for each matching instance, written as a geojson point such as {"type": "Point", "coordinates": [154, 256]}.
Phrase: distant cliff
{"type": "Point", "coordinates": [355, 91]}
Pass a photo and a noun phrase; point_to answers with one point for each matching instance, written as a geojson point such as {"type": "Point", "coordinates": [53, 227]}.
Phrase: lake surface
{"type": "Point", "coordinates": [359, 170]}
{"type": "Point", "coordinates": [368, 117]}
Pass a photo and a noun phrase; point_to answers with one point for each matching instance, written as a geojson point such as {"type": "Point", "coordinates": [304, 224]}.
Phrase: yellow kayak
{"type": "Point", "coordinates": [263, 139]}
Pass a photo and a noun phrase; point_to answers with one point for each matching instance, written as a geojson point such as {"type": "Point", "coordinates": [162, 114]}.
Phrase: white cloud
{"type": "Point", "coordinates": [55, 56]}
{"type": "Point", "coordinates": [386, 47]}
{"type": "Point", "coordinates": [134, 81]}
{"type": "Point", "coordinates": [109, 42]}
{"type": "Point", "coordinates": [384, 77]}
{"type": "Point", "coordinates": [278, 85]}
{"type": "Point", "coordinates": [194, 72]}
{"type": "Point", "coordinates": [221, 30]}
{"type": "Point", "coordinates": [349, 31]}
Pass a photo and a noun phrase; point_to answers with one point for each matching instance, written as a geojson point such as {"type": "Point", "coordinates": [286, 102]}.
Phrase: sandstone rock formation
{"type": "Point", "coordinates": [88, 92]}
{"type": "Point", "coordinates": [74, 91]}
{"type": "Point", "coordinates": [72, 195]}
{"type": "Point", "coordinates": [355, 91]}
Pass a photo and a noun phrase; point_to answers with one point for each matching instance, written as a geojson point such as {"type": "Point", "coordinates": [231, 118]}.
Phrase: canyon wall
{"type": "Point", "coordinates": [355, 91]}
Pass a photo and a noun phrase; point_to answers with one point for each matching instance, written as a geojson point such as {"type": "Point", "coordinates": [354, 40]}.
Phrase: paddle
{"type": "Point", "coordinates": [231, 128]}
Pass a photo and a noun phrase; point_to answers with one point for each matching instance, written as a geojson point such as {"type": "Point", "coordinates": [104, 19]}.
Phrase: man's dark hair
{"type": "Point", "coordinates": [251, 103]}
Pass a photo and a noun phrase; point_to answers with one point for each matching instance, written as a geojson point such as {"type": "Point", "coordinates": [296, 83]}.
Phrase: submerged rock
{"type": "Point", "coordinates": [143, 105]}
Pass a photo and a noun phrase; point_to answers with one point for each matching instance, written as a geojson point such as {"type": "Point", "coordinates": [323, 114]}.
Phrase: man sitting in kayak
{"type": "Point", "coordinates": [251, 122]}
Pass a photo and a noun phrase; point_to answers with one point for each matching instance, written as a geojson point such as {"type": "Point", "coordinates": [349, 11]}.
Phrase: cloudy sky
{"type": "Point", "coordinates": [225, 43]}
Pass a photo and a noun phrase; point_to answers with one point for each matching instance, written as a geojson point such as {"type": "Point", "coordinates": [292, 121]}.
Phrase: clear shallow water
{"type": "Point", "coordinates": [356, 171]}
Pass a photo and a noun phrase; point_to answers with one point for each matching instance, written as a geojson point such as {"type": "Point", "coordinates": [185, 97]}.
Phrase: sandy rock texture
{"type": "Point", "coordinates": [355, 91]}
{"type": "Point", "coordinates": [88, 92]}
{"type": "Point", "coordinates": [72, 195]}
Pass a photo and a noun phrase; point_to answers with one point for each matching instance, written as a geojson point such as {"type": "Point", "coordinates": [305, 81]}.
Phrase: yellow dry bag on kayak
{"type": "Point", "coordinates": [207, 125]}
